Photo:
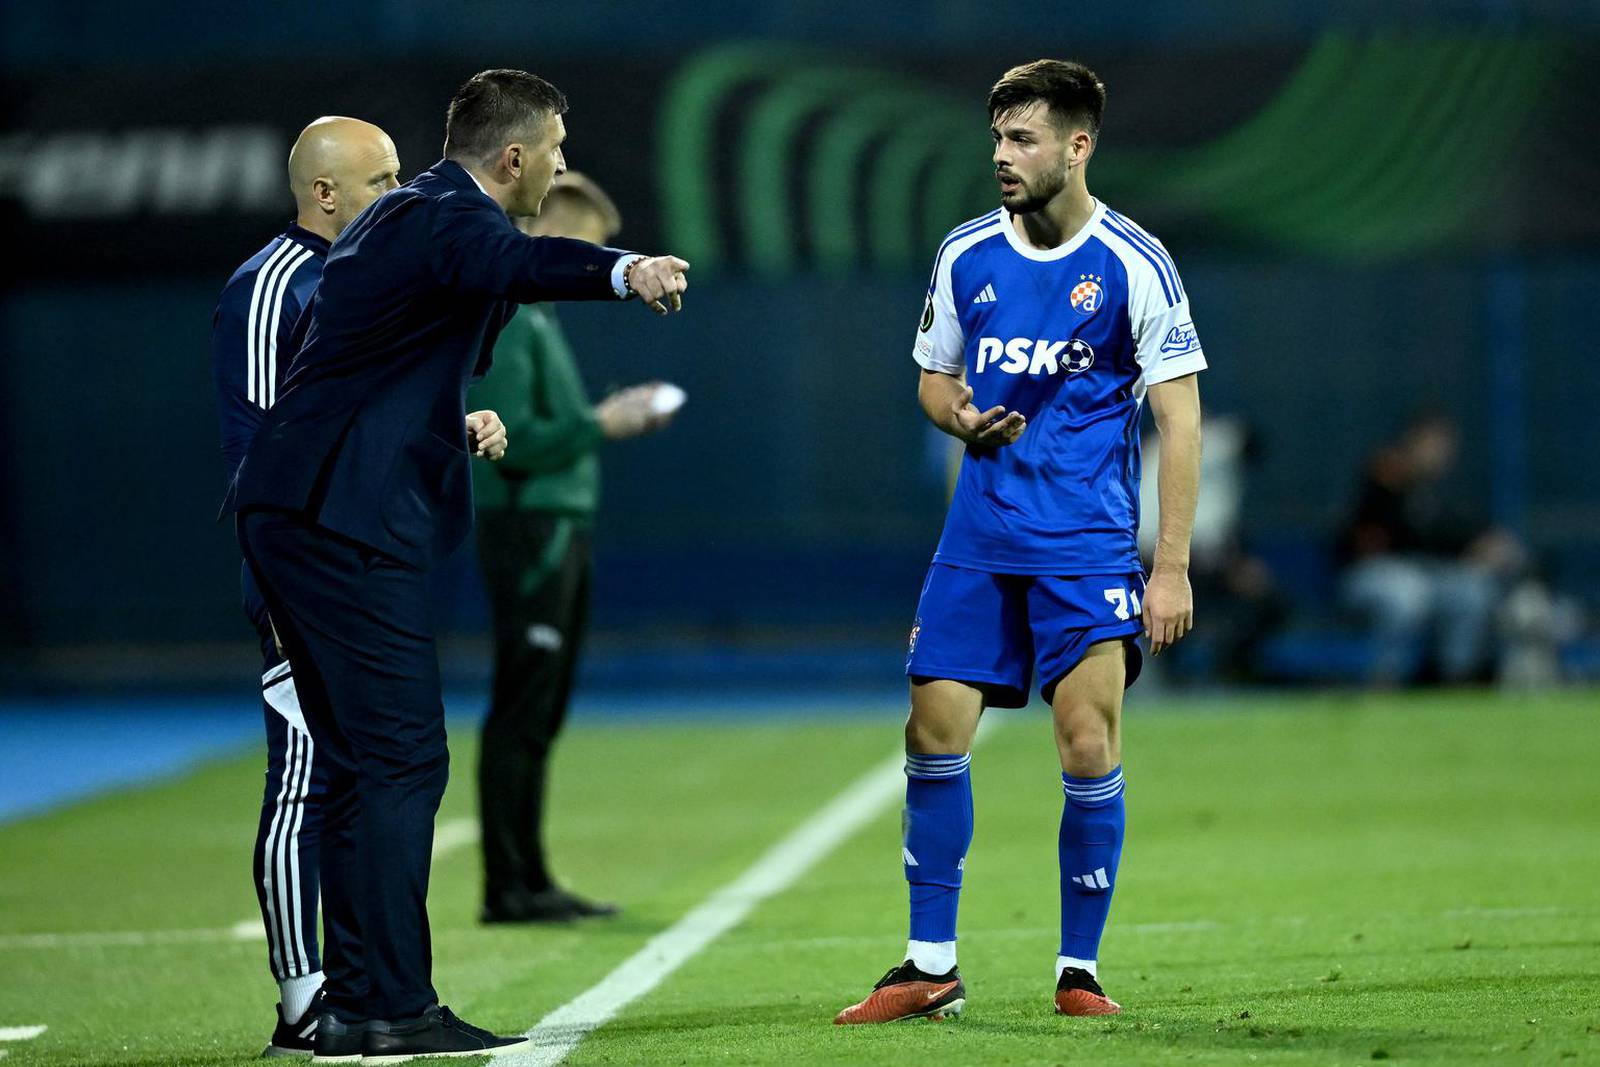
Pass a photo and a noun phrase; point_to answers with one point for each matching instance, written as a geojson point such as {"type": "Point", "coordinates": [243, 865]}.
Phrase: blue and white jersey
{"type": "Point", "coordinates": [252, 333]}
{"type": "Point", "coordinates": [1071, 337]}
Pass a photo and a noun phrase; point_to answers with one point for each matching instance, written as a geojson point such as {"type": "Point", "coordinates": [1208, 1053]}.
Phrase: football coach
{"type": "Point", "coordinates": [358, 483]}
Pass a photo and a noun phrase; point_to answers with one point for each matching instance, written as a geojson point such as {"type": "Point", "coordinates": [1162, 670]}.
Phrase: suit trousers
{"type": "Point", "coordinates": [536, 567]}
{"type": "Point", "coordinates": [357, 629]}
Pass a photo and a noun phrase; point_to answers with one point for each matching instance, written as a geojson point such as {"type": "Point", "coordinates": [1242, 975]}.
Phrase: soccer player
{"type": "Point", "coordinates": [336, 168]}
{"type": "Point", "coordinates": [1048, 323]}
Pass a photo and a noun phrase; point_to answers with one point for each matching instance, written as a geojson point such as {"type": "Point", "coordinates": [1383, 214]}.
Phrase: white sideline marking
{"type": "Point", "coordinates": [1503, 913]}
{"type": "Point", "coordinates": [21, 1033]}
{"type": "Point", "coordinates": [447, 838]}
{"type": "Point", "coordinates": [457, 833]}
{"type": "Point", "coordinates": [558, 1033]}
{"type": "Point", "coordinates": [115, 938]}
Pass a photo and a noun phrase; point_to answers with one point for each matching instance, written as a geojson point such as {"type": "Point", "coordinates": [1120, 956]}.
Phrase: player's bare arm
{"type": "Point", "coordinates": [947, 401]}
{"type": "Point", "coordinates": [659, 282]}
{"type": "Point", "coordinates": [1168, 600]}
{"type": "Point", "coordinates": [488, 435]}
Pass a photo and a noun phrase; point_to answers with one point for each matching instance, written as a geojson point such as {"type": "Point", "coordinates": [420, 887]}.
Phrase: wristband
{"type": "Point", "coordinates": [627, 275]}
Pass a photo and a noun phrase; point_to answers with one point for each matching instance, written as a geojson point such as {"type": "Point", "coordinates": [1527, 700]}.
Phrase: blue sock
{"type": "Point", "coordinates": [1092, 820]}
{"type": "Point", "coordinates": [938, 832]}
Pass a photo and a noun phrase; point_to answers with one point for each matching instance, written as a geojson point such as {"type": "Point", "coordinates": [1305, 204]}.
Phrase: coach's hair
{"type": "Point", "coordinates": [494, 108]}
{"type": "Point", "coordinates": [581, 191]}
{"type": "Point", "coordinates": [1076, 95]}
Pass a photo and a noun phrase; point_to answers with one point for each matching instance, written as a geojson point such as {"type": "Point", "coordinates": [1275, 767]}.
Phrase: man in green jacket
{"type": "Point", "coordinates": [535, 513]}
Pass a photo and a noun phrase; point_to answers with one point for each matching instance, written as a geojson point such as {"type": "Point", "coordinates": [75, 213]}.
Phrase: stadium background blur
{"type": "Point", "coordinates": [1376, 212]}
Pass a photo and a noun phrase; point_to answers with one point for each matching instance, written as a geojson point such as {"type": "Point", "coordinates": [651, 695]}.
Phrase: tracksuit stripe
{"type": "Point", "coordinates": [265, 303]}
{"type": "Point", "coordinates": [284, 277]}
{"type": "Point", "coordinates": [268, 857]}
{"type": "Point", "coordinates": [281, 887]}
{"type": "Point", "coordinates": [252, 354]}
{"type": "Point", "coordinates": [263, 314]}
{"type": "Point", "coordinates": [292, 848]}
{"type": "Point", "coordinates": [261, 302]}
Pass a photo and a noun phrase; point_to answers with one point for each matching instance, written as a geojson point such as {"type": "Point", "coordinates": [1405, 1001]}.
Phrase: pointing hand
{"type": "Point", "coordinates": [659, 282]}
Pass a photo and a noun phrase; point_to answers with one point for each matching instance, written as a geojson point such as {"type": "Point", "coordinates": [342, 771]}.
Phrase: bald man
{"type": "Point", "coordinates": [337, 167]}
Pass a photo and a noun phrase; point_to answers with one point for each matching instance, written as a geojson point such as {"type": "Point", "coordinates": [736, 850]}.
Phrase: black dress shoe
{"type": "Point", "coordinates": [551, 905]}
{"type": "Point", "coordinates": [337, 1041]}
{"type": "Point", "coordinates": [436, 1032]}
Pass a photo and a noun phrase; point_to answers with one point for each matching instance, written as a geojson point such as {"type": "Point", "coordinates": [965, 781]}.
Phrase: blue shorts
{"type": "Point", "coordinates": [992, 630]}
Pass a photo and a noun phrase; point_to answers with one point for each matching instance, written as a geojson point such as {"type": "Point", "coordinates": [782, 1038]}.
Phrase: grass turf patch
{"type": "Point", "coordinates": [1306, 880]}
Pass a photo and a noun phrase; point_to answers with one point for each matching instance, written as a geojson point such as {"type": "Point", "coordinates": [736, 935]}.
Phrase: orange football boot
{"type": "Point", "coordinates": [1077, 993]}
{"type": "Point", "coordinates": [907, 993]}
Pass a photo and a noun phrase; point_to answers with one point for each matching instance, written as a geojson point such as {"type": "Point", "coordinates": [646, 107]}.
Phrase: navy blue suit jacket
{"type": "Point", "coordinates": [368, 434]}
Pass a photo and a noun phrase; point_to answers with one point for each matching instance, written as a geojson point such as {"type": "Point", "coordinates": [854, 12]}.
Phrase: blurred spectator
{"type": "Point", "coordinates": [535, 525]}
{"type": "Point", "coordinates": [1424, 574]}
{"type": "Point", "coordinates": [1534, 625]}
{"type": "Point", "coordinates": [1237, 600]}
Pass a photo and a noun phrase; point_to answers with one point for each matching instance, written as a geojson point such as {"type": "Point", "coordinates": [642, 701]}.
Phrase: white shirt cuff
{"type": "Point", "coordinates": [621, 265]}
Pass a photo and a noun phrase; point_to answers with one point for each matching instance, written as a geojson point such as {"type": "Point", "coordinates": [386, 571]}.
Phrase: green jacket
{"type": "Point", "coordinates": [551, 430]}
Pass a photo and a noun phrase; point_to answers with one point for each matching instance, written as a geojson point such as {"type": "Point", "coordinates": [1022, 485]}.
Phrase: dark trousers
{"type": "Point", "coordinates": [289, 834]}
{"type": "Point", "coordinates": [537, 569]}
{"type": "Point", "coordinates": [359, 638]}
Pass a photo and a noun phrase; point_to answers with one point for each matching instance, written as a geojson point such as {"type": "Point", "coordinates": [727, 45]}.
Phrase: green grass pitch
{"type": "Point", "coordinates": [1306, 880]}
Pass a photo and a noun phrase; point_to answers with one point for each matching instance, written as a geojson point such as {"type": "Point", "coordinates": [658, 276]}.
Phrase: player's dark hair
{"type": "Point", "coordinates": [1076, 95]}
{"type": "Point", "coordinates": [494, 108]}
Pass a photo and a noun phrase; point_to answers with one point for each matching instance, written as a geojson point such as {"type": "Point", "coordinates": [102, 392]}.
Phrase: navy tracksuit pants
{"type": "Point", "coordinates": [357, 629]}
{"type": "Point", "coordinates": [288, 837]}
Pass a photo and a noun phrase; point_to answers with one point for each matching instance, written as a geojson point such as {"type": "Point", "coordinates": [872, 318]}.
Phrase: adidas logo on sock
{"type": "Point", "coordinates": [986, 296]}
{"type": "Point", "coordinates": [1097, 880]}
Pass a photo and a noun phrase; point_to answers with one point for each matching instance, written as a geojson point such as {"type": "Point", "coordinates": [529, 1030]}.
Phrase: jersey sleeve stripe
{"type": "Point", "coordinates": [252, 352]}
{"type": "Point", "coordinates": [284, 277]}
{"type": "Point", "coordinates": [1160, 270]}
{"type": "Point", "coordinates": [961, 231]}
{"type": "Point", "coordinates": [970, 225]}
{"type": "Point", "coordinates": [1137, 237]}
{"type": "Point", "coordinates": [1153, 245]}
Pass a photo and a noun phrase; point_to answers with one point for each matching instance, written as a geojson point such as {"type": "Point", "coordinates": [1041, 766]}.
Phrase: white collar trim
{"type": "Point", "coordinates": [1045, 255]}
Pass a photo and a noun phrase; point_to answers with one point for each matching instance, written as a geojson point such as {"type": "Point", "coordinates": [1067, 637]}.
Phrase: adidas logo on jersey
{"type": "Point", "coordinates": [1022, 355]}
{"type": "Point", "coordinates": [986, 296]}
